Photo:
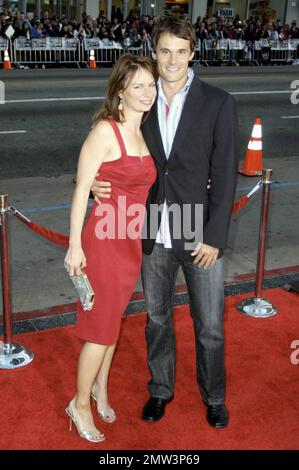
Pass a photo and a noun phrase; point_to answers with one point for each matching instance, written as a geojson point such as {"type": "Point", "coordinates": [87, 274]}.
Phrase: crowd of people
{"type": "Point", "coordinates": [137, 29]}
{"type": "Point", "coordinates": [249, 30]}
{"type": "Point", "coordinates": [133, 29]}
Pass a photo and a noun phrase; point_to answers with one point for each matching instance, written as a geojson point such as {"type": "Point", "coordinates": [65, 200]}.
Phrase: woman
{"type": "Point", "coordinates": [114, 151]}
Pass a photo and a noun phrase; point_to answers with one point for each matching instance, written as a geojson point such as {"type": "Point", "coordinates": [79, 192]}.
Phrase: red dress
{"type": "Point", "coordinates": [111, 241]}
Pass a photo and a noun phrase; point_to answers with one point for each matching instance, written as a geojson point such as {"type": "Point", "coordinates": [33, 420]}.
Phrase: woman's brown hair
{"type": "Point", "coordinates": [176, 26]}
{"type": "Point", "coordinates": [120, 78]}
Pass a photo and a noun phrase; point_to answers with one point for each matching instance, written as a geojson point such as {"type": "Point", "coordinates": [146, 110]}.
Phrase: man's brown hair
{"type": "Point", "coordinates": [177, 26]}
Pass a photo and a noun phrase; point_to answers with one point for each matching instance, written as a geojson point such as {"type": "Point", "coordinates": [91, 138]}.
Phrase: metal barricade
{"type": "Point", "coordinates": [209, 51]}
{"type": "Point", "coordinates": [222, 50]}
{"type": "Point", "coordinates": [128, 46]}
{"type": "Point", "coordinates": [238, 51]}
{"type": "Point", "coordinates": [197, 53]}
{"type": "Point", "coordinates": [147, 47]}
{"type": "Point", "coordinates": [22, 50]}
{"type": "Point", "coordinates": [68, 52]}
{"type": "Point", "coordinates": [106, 51]}
{"type": "Point", "coordinates": [261, 51]}
{"type": "Point", "coordinates": [294, 49]}
{"type": "Point", "coordinates": [58, 50]}
{"type": "Point", "coordinates": [46, 51]}
{"type": "Point", "coordinates": [280, 51]}
{"type": "Point", "coordinates": [136, 50]}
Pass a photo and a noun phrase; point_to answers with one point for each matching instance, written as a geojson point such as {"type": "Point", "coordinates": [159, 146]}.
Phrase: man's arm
{"type": "Point", "coordinates": [100, 190]}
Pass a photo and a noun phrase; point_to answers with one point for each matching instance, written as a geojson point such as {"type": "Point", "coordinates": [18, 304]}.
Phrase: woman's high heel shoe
{"type": "Point", "coordinates": [91, 436]}
{"type": "Point", "coordinates": [108, 415]}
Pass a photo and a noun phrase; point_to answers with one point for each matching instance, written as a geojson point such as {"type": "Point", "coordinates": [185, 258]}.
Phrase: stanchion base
{"type": "Point", "coordinates": [257, 307]}
{"type": "Point", "coordinates": [14, 355]}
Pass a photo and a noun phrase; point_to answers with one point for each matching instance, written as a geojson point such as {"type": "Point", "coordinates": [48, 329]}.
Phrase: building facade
{"type": "Point", "coordinates": [284, 10]}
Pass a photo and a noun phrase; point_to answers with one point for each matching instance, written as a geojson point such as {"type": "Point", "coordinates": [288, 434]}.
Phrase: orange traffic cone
{"type": "Point", "coordinates": [6, 62]}
{"type": "Point", "coordinates": [92, 62]}
{"type": "Point", "coordinates": [253, 163]}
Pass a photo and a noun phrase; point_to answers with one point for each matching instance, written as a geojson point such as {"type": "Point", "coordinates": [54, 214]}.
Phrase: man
{"type": "Point", "coordinates": [192, 134]}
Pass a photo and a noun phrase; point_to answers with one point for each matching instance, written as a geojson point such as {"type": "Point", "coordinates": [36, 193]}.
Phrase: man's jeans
{"type": "Point", "coordinates": [206, 293]}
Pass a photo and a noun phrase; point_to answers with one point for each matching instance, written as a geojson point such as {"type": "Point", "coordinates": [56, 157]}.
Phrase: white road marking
{"type": "Point", "coordinates": [83, 98]}
{"type": "Point", "coordinates": [39, 100]}
{"type": "Point", "coordinates": [274, 92]}
{"type": "Point", "coordinates": [289, 117]}
{"type": "Point", "coordinates": [13, 132]}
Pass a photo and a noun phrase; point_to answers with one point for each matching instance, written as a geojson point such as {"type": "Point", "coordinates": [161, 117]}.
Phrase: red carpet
{"type": "Point", "coordinates": [262, 388]}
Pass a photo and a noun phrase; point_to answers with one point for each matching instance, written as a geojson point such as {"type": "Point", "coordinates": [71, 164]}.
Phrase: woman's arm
{"type": "Point", "coordinates": [94, 151]}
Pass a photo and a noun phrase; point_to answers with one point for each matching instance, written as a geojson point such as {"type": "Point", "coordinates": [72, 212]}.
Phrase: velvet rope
{"type": "Point", "coordinates": [63, 240]}
{"type": "Point", "coordinates": [239, 204]}
{"type": "Point", "coordinates": [51, 235]}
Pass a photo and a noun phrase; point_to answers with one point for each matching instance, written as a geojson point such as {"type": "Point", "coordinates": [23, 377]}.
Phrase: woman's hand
{"type": "Point", "coordinates": [75, 261]}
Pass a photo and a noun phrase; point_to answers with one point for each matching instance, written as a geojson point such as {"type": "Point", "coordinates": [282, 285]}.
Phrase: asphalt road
{"type": "Point", "coordinates": [53, 109]}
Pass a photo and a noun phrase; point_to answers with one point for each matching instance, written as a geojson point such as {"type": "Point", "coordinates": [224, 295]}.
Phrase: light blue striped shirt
{"type": "Point", "coordinates": [168, 123]}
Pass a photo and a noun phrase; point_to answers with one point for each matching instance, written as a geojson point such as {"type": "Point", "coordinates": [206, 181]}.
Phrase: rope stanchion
{"type": "Point", "coordinates": [12, 355]}
{"type": "Point", "coordinates": [257, 306]}
{"type": "Point", "coordinates": [51, 235]}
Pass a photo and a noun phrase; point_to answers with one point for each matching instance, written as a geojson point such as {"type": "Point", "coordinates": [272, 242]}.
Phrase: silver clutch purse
{"type": "Point", "coordinates": [84, 290]}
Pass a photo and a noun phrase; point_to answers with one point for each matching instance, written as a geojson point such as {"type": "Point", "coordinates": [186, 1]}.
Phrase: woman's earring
{"type": "Point", "coordinates": [120, 106]}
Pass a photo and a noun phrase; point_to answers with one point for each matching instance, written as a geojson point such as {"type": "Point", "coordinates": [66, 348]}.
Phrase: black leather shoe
{"type": "Point", "coordinates": [217, 415]}
{"type": "Point", "coordinates": [154, 409]}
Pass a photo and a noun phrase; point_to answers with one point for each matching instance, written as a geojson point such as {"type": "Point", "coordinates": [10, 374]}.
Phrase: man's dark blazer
{"type": "Point", "coordinates": [205, 146]}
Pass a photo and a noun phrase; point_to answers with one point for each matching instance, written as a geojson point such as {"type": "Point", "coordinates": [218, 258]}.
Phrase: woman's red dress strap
{"type": "Point", "coordinates": [119, 137]}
